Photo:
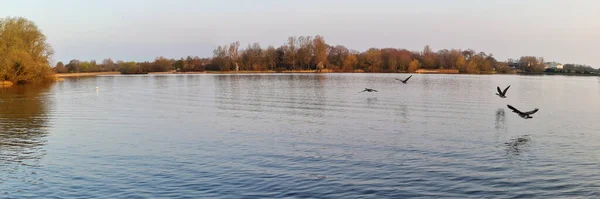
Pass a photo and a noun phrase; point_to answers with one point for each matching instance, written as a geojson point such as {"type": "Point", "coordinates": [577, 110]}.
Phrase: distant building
{"type": "Point", "coordinates": [554, 65]}
{"type": "Point", "coordinates": [512, 63]}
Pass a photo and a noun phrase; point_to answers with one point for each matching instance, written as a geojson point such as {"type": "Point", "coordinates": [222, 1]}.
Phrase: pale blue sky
{"type": "Point", "coordinates": [563, 31]}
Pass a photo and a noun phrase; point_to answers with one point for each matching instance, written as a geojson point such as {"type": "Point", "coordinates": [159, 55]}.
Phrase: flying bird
{"type": "Point", "coordinates": [501, 93]}
{"type": "Point", "coordinates": [524, 115]}
{"type": "Point", "coordinates": [368, 90]}
{"type": "Point", "coordinates": [404, 81]}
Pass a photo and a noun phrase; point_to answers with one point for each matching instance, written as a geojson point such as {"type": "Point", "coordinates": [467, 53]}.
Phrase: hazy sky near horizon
{"type": "Point", "coordinates": [138, 30]}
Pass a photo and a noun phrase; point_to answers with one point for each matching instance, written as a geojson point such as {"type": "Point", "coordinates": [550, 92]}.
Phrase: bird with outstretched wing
{"type": "Point", "coordinates": [524, 115]}
{"type": "Point", "coordinates": [501, 93]}
{"type": "Point", "coordinates": [404, 81]}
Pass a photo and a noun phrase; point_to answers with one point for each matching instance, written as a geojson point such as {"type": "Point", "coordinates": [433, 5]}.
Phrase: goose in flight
{"type": "Point", "coordinates": [501, 93]}
{"type": "Point", "coordinates": [368, 90]}
{"type": "Point", "coordinates": [404, 81]}
{"type": "Point", "coordinates": [524, 115]}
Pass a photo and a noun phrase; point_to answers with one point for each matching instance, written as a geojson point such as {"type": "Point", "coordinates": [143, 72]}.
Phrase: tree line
{"type": "Point", "coordinates": [160, 64]}
{"type": "Point", "coordinates": [574, 68]}
{"type": "Point", "coordinates": [310, 53]}
{"type": "Point", "coordinates": [313, 53]}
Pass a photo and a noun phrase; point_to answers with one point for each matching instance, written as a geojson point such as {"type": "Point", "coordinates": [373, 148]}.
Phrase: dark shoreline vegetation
{"type": "Point", "coordinates": [25, 55]}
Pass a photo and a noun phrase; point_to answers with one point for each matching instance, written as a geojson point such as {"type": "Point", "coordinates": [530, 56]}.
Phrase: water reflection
{"type": "Point", "coordinates": [371, 101]}
{"type": "Point", "coordinates": [292, 95]}
{"type": "Point", "coordinates": [517, 146]}
{"type": "Point", "coordinates": [402, 111]}
{"type": "Point", "coordinates": [500, 119]}
{"type": "Point", "coordinates": [23, 111]}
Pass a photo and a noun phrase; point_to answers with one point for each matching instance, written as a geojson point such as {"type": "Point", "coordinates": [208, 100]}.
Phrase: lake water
{"type": "Point", "coordinates": [301, 136]}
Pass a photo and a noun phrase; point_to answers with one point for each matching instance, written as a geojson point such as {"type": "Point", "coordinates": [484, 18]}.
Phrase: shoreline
{"type": "Point", "coordinates": [60, 76]}
{"type": "Point", "coordinates": [66, 75]}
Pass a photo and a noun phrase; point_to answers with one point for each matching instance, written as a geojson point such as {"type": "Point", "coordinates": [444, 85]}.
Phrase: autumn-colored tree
{"type": "Point", "coordinates": [444, 59]}
{"type": "Point", "coordinates": [492, 61]}
{"type": "Point", "coordinates": [468, 53]}
{"type": "Point", "coordinates": [73, 66]}
{"type": "Point", "coordinates": [191, 64]}
{"type": "Point", "coordinates": [532, 64]}
{"type": "Point", "coordinates": [349, 63]}
{"type": "Point", "coordinates": [461, 63]}
{"type": "Point", "coordinates": [280, 58]}
{"type": "Point", "coordinates": [305, 51]}
{"type": "Point", "coordinates": [392, 59]}
{"type": "Point", "coordinates": [414, 66]}
{"type": "Point", "coordinates": [160, 64]}
{"type": "Point", "coordinates": [220, 58]}
{"type": "Point", "coordinates": [144, 66]}
{"type": "Point", "coordinates": [24, 52]}
{"type": "Point", "coordinates": [428, 58]}
{"type": "Point", "coordinates": [129, 68]}
{"type": "Point", "coordinates": [179, 64]}
{"type": "Point", "coordinates": [108, 65]}
{"type": "Point", "coordinates": [84, 67]}
{"type": "Point", "coordinates": [233, 54]}
{"type": "Point", "coordinates": [471, 67]}
{"type": "Point", "coordinates": [188, 62]}
{"type": "Point", "coordinates": [271, 57]}
{"type": "Point", "coordinates": [453, 59]}
{"type": "Point", "coordinates": [253, 58]}
{"type": "Point", "coordinates": [336, 56]}
{"type": "Point", "coordinates": [373, 60]}
{"type": "Point", "coordinates": [60, 68]}
{"type": "Point", "coordinates": [291, 52]}
{"type": "Point", "coordinates": [404, 59]}
{"type": "Point", "coordinates": [480, 63]}
{"type": "Point", "coordinates": [94, 66]}
{"type": "Point", "coordinates": [320, 50]}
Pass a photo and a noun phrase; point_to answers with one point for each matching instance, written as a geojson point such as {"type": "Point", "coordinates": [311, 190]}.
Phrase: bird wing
{"type": "Point", "coordinates": [513, 109]}
{"type": "Point", "coordinates": [506, 89]}
{"type": "Point", "coordinates": [407, 78]}
{"type": "Point", "coordinates": [374, 90]}
{"type": "Point", "coordinates": [532, 112]}
{"type": "Point", "coordinates": [499, 91]}
{"type": "Point", "coordinates": [398, 79]}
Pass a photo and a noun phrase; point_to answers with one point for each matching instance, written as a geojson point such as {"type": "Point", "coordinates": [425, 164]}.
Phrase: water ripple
{"type": "Point", "coordinates": [299, 136]}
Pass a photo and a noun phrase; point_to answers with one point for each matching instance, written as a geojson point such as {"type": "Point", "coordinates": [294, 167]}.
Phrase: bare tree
{"type": "Point", "coordinates": [271, 57]}
{"type": "Point", "coordinates": [320, 50]}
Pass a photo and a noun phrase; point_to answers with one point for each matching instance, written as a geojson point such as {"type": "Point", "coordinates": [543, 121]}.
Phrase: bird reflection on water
{"type": "Point", "coordinates": [517, 146]}
{"type": "Point", "coordinates": [500, 119]}
{"type": "Point", "coordinates": [371, 102]}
